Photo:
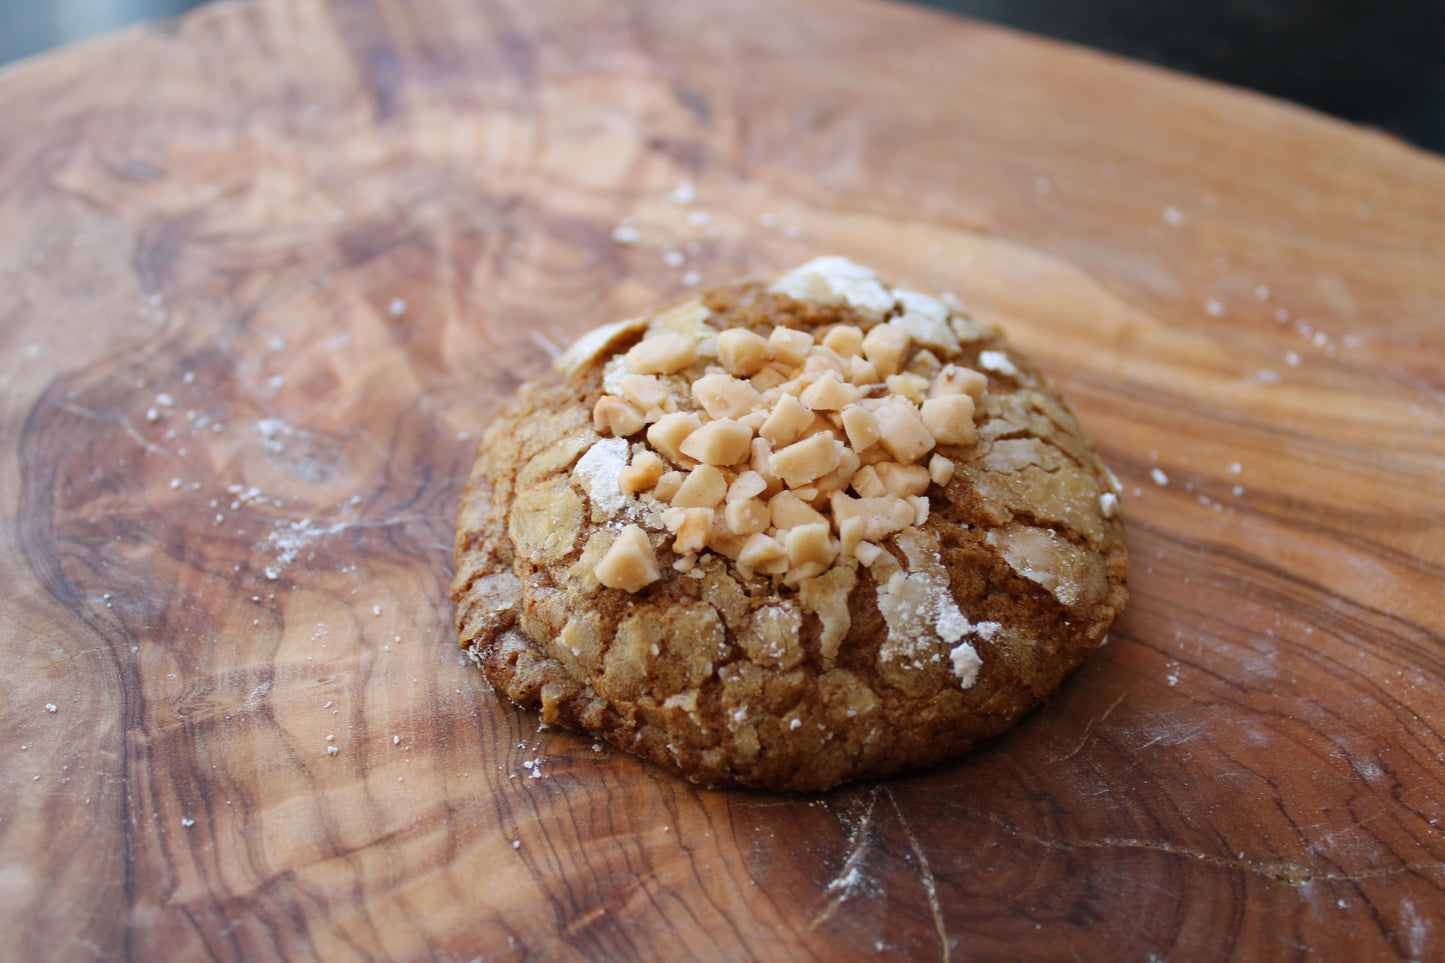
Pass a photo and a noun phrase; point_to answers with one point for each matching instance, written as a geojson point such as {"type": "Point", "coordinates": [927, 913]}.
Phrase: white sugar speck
{"type": "Point", "coordinates": [332, 750]}
{"type": "Point", "coordinates": [516, 844]}
{"type": "Point", "coordinates": [1174, 216]}
{"type": "Point", "coordinates": [1292, 359]}
{"type": "Point", "coordinates": [684, 193]}
{"type": "Point", "coordinates": [1235, 468]}
{"type": "Point", "coordinates": [1262, 292]}
{"type": "Point", "coordinates": [188, 823]}
{"type": "Point", "coordinates": [1214, 308]}
{"type": "Point", "coordinates": [396, 740]}
{"type": "Point", "coordinates": [1159, 477]}
{"type": "Point", "coordinates": [626, 234]}
{"type": "Point", "coordinates": [51, 707]}
{"type": "Point", "coordinates": [699, 218]}
{"type": "Point", "coordinates": [673, 259]}
{"type": "Point", "coordinates": [376, 610]}
{"type": "Point", "coordinates": [397, 307]}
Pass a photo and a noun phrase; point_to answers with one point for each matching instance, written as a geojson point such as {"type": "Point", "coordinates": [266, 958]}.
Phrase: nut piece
{"type": "Point", "coordinates": [762, 553]}
{"type": "Point", "coordinates": [940, 469]}
{"type": "Point", "coordinates": [845, 339]}
{"type": "Point", "coordinates": [829, 393]}
{"type": "Point", "coordinates": [745, 516]}
{"type": "Point", "coordinates": [865, 482]}
{"type": "Point", "coordinates": [912, 386]}
{"type": "Point", "coordinates": [803, 461]}
{"type": "Point", "coordinates": [747, 485]}
{"type": "Point", "coordinates": [810, 544]}
{"type": "Point", "coordinates": [885, 346]}
{"type": "Point", "coordinates": [704, 487]}
{"type": "Point", "coordinates": [790, 346]}
{"type": "Point", "coordinates": [692, 531]}
{"type": "Point", "coordinates": [644, 391]}
{"type": "Point", "coordinates": [861, 427]}
{"type": "Point", "coordinates": [615, 417]}
{"type": "Point", "coordinates": [881, 517]}
{"type": "Point", "coordinates": [953, 380]}
{"type": "Point", "coordinates": [787, 422]}
{"type": "Point", "coordinates": [667, 486]}
{"type": "Point", "coordinates": [668, 433]}
{"type": "Point", "coordinates": [790, 511]}
{"type": "Point", "coordinates": [630, 563]}
{"type": "Point", "coordinates": [861, 372]}
{"type": "Point", "coordinates": [721, 442]}
{"type": "Point", "coordinates": [743, 353]}
{"type": "Point", "coordinates": [723, 396]}
{"type": "Point", "coordinates": [904, 434]}
{"type": "Point", "coordinates": [903, 480]}
{"type": "Point", "coordinates": [949, 419]}
{"type": "Point", "coordinates": [661, 354]}
{"type": "Point", "coordinates": [644, 473]}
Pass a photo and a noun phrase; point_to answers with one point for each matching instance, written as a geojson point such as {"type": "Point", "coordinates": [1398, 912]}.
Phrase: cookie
{"type": "Point", "coordinates": [787, 535]}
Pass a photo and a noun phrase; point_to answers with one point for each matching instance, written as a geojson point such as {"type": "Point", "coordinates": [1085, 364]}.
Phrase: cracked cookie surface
{"type": "Point", "coordinates": [786, 535]}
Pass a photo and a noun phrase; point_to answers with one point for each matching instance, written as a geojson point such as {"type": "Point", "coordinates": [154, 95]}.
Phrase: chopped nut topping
{"type": "Point", "coordinates": [885, 347]}
{"type": "Point", "coordinates": [789, 511]}
{"type": "Point", "coordinates": [904, 434]}
{"type": "Point", "coordinates": [903, 480]}
{"type": "Point", "coordinates": [630, 563]}
{"type": "Point", "coordinates": [667, 434]}
{"type": "Point", "coordinates": [723, 396]}
{"type": "Point", "coordinates": [789, 345]}
{"type": "Point", "coordinates": [810, 543]}
{"type": "Point", "coordinates": [949, 419]}
{"type": "Point", "coordinates": [763, 553]}
{"type": "Point", "coordinates": [667, 486]}
{"type": "Point", "coordinates": [774, 434]}
{"type": "Point", "coordinates": [645, 391]}
{"type": "Point", "coordinates": [692, 531]}
{"type": "Point", "coordinates": [803, 461]}
{"type": "Point", "coordinates": [743, 353]}
{"type": "Point", "coordinates": [866, 482]}
{"type": "Point", "coordinates": [661, 354]}
{"type": "Point", "coordinates": [789, 419]}
{"type": "Point", "coordinates": [912, 386]}
{"type": "Point", "coordinates": [861, 427]}
{"type": "Point", "coordinates": [953, 380]}
{"type": "Point", "coordinates": [744, 516]}
{"type": "Point", "coordinates": [845, 339]}
{"type": "Point", "coordinates": [615, 417]}
{"type": "Point", "coordinates": [721, 442]}
{"type": "Point", "coordinates": [704, 487]}
{"type": "Point", "coordinates": [829, 393]}
{"type": "Point", "coordinates": [644, 473]}
{"type": "Point", "coordinates": [940, 469]}
{"type": "Point", "coordinates": [747, 485]}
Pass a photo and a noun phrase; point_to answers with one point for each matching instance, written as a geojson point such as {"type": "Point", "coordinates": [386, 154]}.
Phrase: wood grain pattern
{"type": "Point", "coordinates": [265, 272]}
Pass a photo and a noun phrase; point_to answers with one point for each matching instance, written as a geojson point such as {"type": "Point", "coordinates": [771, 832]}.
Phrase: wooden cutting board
{"type": "Point", "coordinates": [265, 272]}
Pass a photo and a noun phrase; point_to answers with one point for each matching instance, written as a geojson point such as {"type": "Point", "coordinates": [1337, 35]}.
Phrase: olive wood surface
{"type": "Point", "coordinates": [266, 271]}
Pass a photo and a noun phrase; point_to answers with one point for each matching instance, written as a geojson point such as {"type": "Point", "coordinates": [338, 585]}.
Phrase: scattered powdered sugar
{"type": "Point", "coordinates": [828, 279]}
{"type": "Point", "coordinates": [966, 663]}
{"type": "Point", "coordinates": [998, 362]}
{"type": "Point", "coordinates": [598, 471]}
{"type": "Point", "coordinates": [920, 611]}
{"type": "Point", "coordinates": [1159, 477]}
{"type": "Point", "coordinates": [273, 433]}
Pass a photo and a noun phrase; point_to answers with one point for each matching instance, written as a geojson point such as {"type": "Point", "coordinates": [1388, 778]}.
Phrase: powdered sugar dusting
{"type": "Point", "coordinates": [598, 471]}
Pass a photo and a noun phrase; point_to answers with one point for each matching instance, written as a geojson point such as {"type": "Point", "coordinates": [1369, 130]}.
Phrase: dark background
{"type": "Point", "coordinates": [1380, 64]}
